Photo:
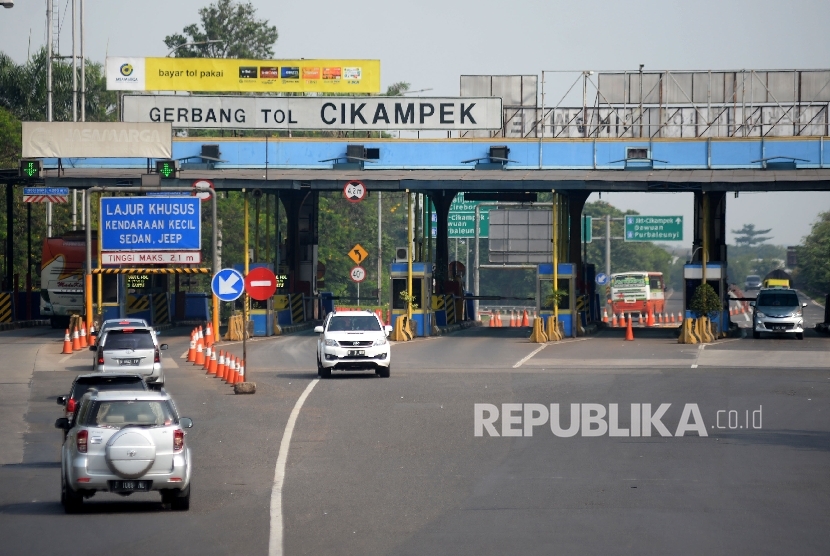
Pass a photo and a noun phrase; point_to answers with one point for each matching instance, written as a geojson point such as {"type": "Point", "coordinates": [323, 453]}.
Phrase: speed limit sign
{"type": "Point", "coordinates": [354, 191]}
{"type": "Point", "coordinates": [358, 274]}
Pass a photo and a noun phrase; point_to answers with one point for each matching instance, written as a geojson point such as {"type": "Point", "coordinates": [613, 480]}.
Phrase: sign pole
{"type": "Point", "coordinates": [245, 298]}
{"type": "Point", "coordinates": [215, 241]}
{"type": "Point", "coordinates": [409, 254]}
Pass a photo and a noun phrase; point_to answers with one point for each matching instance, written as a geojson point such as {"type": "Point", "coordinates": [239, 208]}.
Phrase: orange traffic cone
{"type": "Point", "coordinates": [492, 322]}
{"type": "Point", "coordinates": [605, 315]}
{"type": "Point", "coordinates": [208, 336]}
{"type": "Point", "coordinates": [231, 371]}
{"type": "Point", "coordinates": [241, 377]}
{"type": "Point", "coordinates": [84, 343]}
{"type": "Point", "coordinates": [650, 317]}
{"type": "Point", "coordinates": [67, 343]}
{"type": "Point", "coordinates": [629, 331]}
{"type": "Point", "coordinates": [211, 370]}
{"type": "Point", "coordinates": [91, 335]}
{"type": "Point", "coordinates": [671, 318]}
{"type": "Point", "coordinates": [659, 318]}
{"type": "Point", "coordinates": [220, 365]}
{"type": "Point", "coordinates": [513, 319]}
{"type": "Point", "coordinates": [525, 320]}
{"type": "Point", "coordinates": [191, 353]}
{"type": "Point", "coordinates": [640, 319]}
{"type": "Point", "coordinates": [614, 322]}
{"type": "Point", "coordinates": [200, 354]}
{"type": "Point", "coordinates": [680, 316]}
{"type": "Point", "coordinates": [76, 340]}
{"type": "Point", "coordinates": [206, 365]}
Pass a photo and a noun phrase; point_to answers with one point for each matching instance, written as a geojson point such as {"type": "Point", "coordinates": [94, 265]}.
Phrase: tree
{"type": "Point", "coordinates": [397, 89]}
{"type": "Point", "coordinates": [23, 90]}
{"type": "Point", "coordinates": [814, 257]}
{"type": "Point", "coordinates": [749, 236]}
{"type": "Point", "coordinates": [234, 25]}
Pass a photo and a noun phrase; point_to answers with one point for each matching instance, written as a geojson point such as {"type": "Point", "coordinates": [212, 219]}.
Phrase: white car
{"type": "Point", "coordinates": [353, 340]}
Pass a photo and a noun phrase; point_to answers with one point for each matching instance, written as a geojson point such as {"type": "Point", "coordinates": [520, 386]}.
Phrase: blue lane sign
{"type": "Point", "coordinates": [601, 279]}
{"type": "Point", "coordinates": [151, 223]}
{"type": "Point", "coordinates": [227, 284]}
{"type": "Point", "coordinates": [46, 191]}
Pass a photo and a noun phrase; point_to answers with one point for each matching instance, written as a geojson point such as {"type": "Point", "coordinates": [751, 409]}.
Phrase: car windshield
{"type": "Point", "coordinates": [101, 384]}
{"type": "Point", "coordinates": [777, 300]}
{"type": "Point", "coordinates": [117, 414]}
{"type": "Point", "coordinates": [128, 339]}
{"type": "Point", "coordinates": [361, 323]}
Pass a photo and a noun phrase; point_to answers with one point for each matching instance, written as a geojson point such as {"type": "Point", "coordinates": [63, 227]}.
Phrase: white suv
{"type": "Point", "coordinates": [353, 340]}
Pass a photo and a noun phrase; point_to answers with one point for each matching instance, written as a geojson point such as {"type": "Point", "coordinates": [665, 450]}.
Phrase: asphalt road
{"type": "Point", "coordinates": [393, 466]}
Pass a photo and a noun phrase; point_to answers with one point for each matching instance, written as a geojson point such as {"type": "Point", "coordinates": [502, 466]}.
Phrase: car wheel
{"type": "Point", "coordinates": [72, 501]}
{"type": "Point", "coordinates": [319, 365]}
{"type": "Point", "coordinates": [324, 372]}
{"type": "Point", "coordinates": [756, 334]}
{"type": "Point", "coordinates": [800, 335]}
{"type": "Point", "coordinates": [180, 500]}
{"type": "Point", "coordinates": [383, 372]}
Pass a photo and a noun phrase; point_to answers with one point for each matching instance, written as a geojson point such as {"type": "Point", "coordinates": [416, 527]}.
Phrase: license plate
{"type": "Point", "coordinates": [354, 352]}
{"type": "Point", "coordinates": [132, 362]}
{"type": "Point", "coordinates": [131, 486]}
{"type": "Point", "coordinates": [779, 327]}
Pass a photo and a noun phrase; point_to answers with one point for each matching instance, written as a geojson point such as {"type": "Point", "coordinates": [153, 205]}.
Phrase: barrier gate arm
{"type": "Point", "coordinates": [143, 189]}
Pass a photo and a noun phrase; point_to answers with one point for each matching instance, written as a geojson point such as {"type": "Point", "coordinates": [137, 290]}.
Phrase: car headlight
{"type": "Point", "coordinates": [760, 315]}
{"type": "Point", "coordinates": [796, 313]}
{"type": "Point", "coordinates": [380, 342]}
{"type": "Point", "coordinates": [333, 343]}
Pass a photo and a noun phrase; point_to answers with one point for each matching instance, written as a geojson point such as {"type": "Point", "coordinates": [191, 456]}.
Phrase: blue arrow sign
{"type": "Point", "coordinates": [601, 279]}
{"type": "Point", "coordinates": [227, 284]}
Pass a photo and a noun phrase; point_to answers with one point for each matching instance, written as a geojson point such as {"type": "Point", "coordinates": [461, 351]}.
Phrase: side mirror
{"type": "Point", "coordinates": [93, 348]}
{"type": "Point", "coordinates": [62, 423]}
{"type": "Point", "coordinates": [803, 304]}
{"type": "Point", "coordinates": [61, 400]}
{"type": "Point", "coordinates": [752, 304]}
{"type": "Point", "coordinates": [318, 329]}
{"type": "Point", "coordinates": [186, 422]}
{"type": "Point", "coordinates": [163, 347]}
{"type": "Point", "coordinates": [93, 333]}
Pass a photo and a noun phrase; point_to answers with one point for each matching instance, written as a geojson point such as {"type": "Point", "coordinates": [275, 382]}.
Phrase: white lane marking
{"type": "Point", "coordinates": [532, 353]}
{"type": "Point", "coordinates": [700, 349]}
{"type": "Point", "coordinates": [275, 541]}
{"type": "Point", "coordinates": [184, 355]}
{"type": "Point", "coordinates": [63, 359]}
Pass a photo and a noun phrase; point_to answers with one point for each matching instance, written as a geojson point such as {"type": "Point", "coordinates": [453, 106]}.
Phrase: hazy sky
{"type": "Point", "coordinates": [430, 43]}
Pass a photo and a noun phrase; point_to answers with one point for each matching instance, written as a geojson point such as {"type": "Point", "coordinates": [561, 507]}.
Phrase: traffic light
{"type": "Point", "coordinates": [31, 169]}
{"type": "Point", "coordinates": [167, 169]}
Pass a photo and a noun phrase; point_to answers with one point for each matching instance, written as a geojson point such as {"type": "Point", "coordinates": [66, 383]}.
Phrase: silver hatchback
{"type": "Point", "coordinates": [132, 349]}
{"type": "Point", "coordinates": [125, 442]}
{"type": "Point", "coordinates": [778, 311]}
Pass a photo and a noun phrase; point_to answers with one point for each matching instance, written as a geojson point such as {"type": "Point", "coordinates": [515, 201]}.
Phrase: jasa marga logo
{"type": "Point", "coordinates": [126, 70]}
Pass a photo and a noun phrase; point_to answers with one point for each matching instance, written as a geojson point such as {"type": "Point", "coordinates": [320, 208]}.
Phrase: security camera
{"type": "Point", "coordinates": [7, 4]}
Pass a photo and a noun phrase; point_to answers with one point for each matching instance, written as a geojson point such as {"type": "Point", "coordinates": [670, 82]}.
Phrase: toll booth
{"type": "Point", "coordinates": [567, 304]}
{"type": "Point", "coordinates": [138, 296]}
{"type": "Point", "coordinates": [262, 312]}
{"type": "Point", "coordinates": [715, 277]}
{"type": "Point", "coordinates": [421, 291]}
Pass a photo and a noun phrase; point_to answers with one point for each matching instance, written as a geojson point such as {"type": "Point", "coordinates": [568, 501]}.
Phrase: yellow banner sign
{"type": "Point", "coordinates": [251, 76]}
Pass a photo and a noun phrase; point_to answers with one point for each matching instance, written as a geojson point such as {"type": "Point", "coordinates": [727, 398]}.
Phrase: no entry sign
{"type": "Point", "coordinates": [260, 283]}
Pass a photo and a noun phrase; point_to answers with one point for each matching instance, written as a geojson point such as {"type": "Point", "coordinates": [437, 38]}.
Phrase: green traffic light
{"type": "Point", "coordinates": [166, 170]}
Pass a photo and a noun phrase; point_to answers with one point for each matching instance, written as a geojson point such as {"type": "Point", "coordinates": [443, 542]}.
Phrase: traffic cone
{"type": "Point", "coordinates": [201, 336]}
{"type": "Point", "coordinates": [671, 319]}
{"type": "Point", "coordinates": [614, 323]}
{"type": "Point", "coordinates": [211, 370]}
{"type": "Point", "coordinates": [191, 353]}
{"type": "Point", "coordinates": [208, 336]}
{"type": "Point", "coordinates": [650, 317]}
{"type": "Point", "coordinates": [640, 319]}
{"type": "Point", "coordinates": [220, 365]}
{"type": "Point", "coordinates": [231, 371]}
{"type": "Point", "coordinates": [208, 351]}
{"type": "Point", "coordinates": [76, 340]}
{"type": "Point", "coordinates": [91, 335]}
{"type": "Point", "coordinates": [629, 331]}
{"type": "Point", "coordinates": [200, 354]}
{"type": "Point", "coordinates": [512, 319]}
{"type": "Point", "coordinates": [496, 318]}
{"type": "Point", "coordinates": [236, 372]}
{"type": "Point", "coordinates": [67, 343]}
{"type": "Point", "coordinates": [659, 318]}
{"type": "Point", "coordinates": [525, 320]}
{"type": "Point", "coordinates": [605, 315]}
{"type": "Point", "coordinates": [680, 317]}
{"type": "Point", "coordinates": [84, 343]}
{"type": "Point", "coordinates": [242, 372]}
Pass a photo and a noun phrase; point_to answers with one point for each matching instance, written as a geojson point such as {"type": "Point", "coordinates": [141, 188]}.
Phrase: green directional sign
{"type": "Point", "coordinates": [653, 228]}
{"type": "Point", "coordinates": [462, 217]}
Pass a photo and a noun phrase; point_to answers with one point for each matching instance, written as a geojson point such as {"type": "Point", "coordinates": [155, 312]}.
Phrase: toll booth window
{"type": "Point", "coordinates": [399, 285]}
{"type": "Point", "coordinates": [545, 290]}
{"type": "Point", "coordinates": [110, 288]}
{"type": "Point", "coordinates": [138, 283]}
{"type": "Point", "coordinates": [256, 304]}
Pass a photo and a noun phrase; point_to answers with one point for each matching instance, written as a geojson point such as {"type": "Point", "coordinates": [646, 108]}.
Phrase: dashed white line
{"type": "Point", "coordinates": [700, 349]}
{"type": "Point", "coordinates": [532, 353]}
{"type": "Point", "coordinates": [275, 541]}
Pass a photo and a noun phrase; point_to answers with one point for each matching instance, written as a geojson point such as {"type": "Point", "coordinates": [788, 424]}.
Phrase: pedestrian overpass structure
{"type": "Point", "coordinates": [708, 133]}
